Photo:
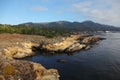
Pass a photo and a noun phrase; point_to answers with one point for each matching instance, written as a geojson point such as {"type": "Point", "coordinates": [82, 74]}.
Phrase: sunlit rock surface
{"type": "Point", "coordinates": [72, 44]}
{"type": "Point", "coordinates": [24, 70]}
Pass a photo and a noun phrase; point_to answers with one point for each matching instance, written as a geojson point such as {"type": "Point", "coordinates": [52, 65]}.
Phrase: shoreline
{"type": "Point", "coordinates": [20, 46]}
{"type": "Point", "coordinates": [10, 68]}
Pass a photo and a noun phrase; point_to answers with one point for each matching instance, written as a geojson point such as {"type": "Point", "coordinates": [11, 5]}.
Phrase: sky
{"type": "Point", "coordinates": [21, 11]}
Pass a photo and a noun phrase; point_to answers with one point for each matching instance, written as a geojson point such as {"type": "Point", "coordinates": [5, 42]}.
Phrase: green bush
{"type": "Point", "coordinates": [48, 32]}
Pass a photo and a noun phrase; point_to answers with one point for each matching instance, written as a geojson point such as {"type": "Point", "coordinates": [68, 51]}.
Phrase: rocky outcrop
{"type": "Point", "coordinates": [68, 45]}
{"type": "Point", "coordinates": [71, 44]}
{"type": "Point", "coordinates": [19, 46]}
{"type": "Point", "coordinates": [21, 50]}
{"type": "Point", "coordinates": [24, 70]}
{"type": "Point", "coordinates": [91, 40]}
{"type": "Point", "coordinates": [75, 47]}
{"type": "Point", "coordinates": [11, 69]}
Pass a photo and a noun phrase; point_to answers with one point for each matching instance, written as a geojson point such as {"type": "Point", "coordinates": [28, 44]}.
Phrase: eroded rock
{"type": "Point", "coordinates": [24, 70]}
{"type": "Point", "coordinates": [68, 44]}
{"type": "Point", "coordinates": [75, 47]}
{"type": "Point", "coordinates": [21, 50]}
{"type": "Point", "coordinates": [61, 61]}
{"type": "Point", "coordinates": [72, 44]}
{"type": "Point", "coordinates": [91, 40]}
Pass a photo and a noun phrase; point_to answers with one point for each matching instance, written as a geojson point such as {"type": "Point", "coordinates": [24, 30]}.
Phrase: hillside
{"type": "Point", "coordinates": [75, 26]}
{"type": "Point", "coordinates": [59, 28]}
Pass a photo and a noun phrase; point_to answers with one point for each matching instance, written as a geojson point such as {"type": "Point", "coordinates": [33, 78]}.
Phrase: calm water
{"type": "Point", "coordinates": [102, 62]}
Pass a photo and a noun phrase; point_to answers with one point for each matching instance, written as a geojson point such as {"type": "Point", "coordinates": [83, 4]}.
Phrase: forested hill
{"type": "Point", "coordinates": [51, 29]}
{"type": "Point", "coordinates": [75, 26]}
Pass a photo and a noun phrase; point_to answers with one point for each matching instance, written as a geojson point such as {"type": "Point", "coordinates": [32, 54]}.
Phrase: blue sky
{"type": "Point", "coordinates": [21, 11]}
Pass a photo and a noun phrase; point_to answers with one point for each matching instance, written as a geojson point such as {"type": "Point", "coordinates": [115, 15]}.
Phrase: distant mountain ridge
{"type": "Point", "coordinates": [84, 26]}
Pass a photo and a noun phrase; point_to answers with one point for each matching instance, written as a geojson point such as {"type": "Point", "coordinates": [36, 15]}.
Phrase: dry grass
{"type": "Point", "coordinates": [10, 40]}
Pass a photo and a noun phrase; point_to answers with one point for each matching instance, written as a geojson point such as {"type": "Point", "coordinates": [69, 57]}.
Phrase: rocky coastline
{"type": "Point", "coordinates": [14, 46]}
{"type": "Point", "coordinates": [71, 44]}
{"type": "Point", "coordinates": [11, 69]}
{"type": "Point", "coordinates": [19, 46]}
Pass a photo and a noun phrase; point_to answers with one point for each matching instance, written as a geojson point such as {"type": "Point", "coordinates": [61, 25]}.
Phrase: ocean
{"type": "Point", "coordinates": [102, 62]}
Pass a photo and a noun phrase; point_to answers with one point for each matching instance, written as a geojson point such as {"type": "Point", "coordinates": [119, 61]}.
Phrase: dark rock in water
{"type": "Point", "coordinates": [61, 61]}
{"type": "Point", "coordinates": [102, 38]}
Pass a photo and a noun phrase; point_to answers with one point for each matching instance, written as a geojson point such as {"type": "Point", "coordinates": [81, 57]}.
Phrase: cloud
{"type": "Point", "coordinates": [59, 12]}
{"type": "Point", "coordinates": [104, 11]}
{"type": "Point", "coordinates": [39, 9]}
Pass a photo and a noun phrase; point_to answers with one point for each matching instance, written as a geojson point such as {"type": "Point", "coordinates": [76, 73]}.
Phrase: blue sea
{"type": "Point", "coordinates": [102, 62]}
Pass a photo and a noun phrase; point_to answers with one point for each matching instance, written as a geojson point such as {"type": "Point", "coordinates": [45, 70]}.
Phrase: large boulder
{"type": "Point", "coordinates": [24, 70]}
{"type": "Point", "coordinates": [75, 47]}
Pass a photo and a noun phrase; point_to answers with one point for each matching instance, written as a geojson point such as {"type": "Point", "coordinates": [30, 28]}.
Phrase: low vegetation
{"type": "Point", "coordinates": [48, 32]}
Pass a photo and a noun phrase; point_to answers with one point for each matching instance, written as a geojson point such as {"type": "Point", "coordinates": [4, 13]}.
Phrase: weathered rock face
{"type": "Point", "coordinates": [19, 51]}
{"type": "Point", "coordinates": [24, 70]}
{"type": "Point", "coordinates": [72, 44]}
{"type": "Point", "coordinates": [75, 47]}
{"type": "Point", "coordinates": [69, 44]}
{"type": "Point", "coordinates": [90, 40]}
{"type": "Point", "coordinates": [19, 46]}
{"type": "Point", "coordinates": [62, 46]}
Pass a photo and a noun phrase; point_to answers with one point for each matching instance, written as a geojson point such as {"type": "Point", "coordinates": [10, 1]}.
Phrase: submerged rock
{"type": "Point", "coordinates": [61, 61]}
